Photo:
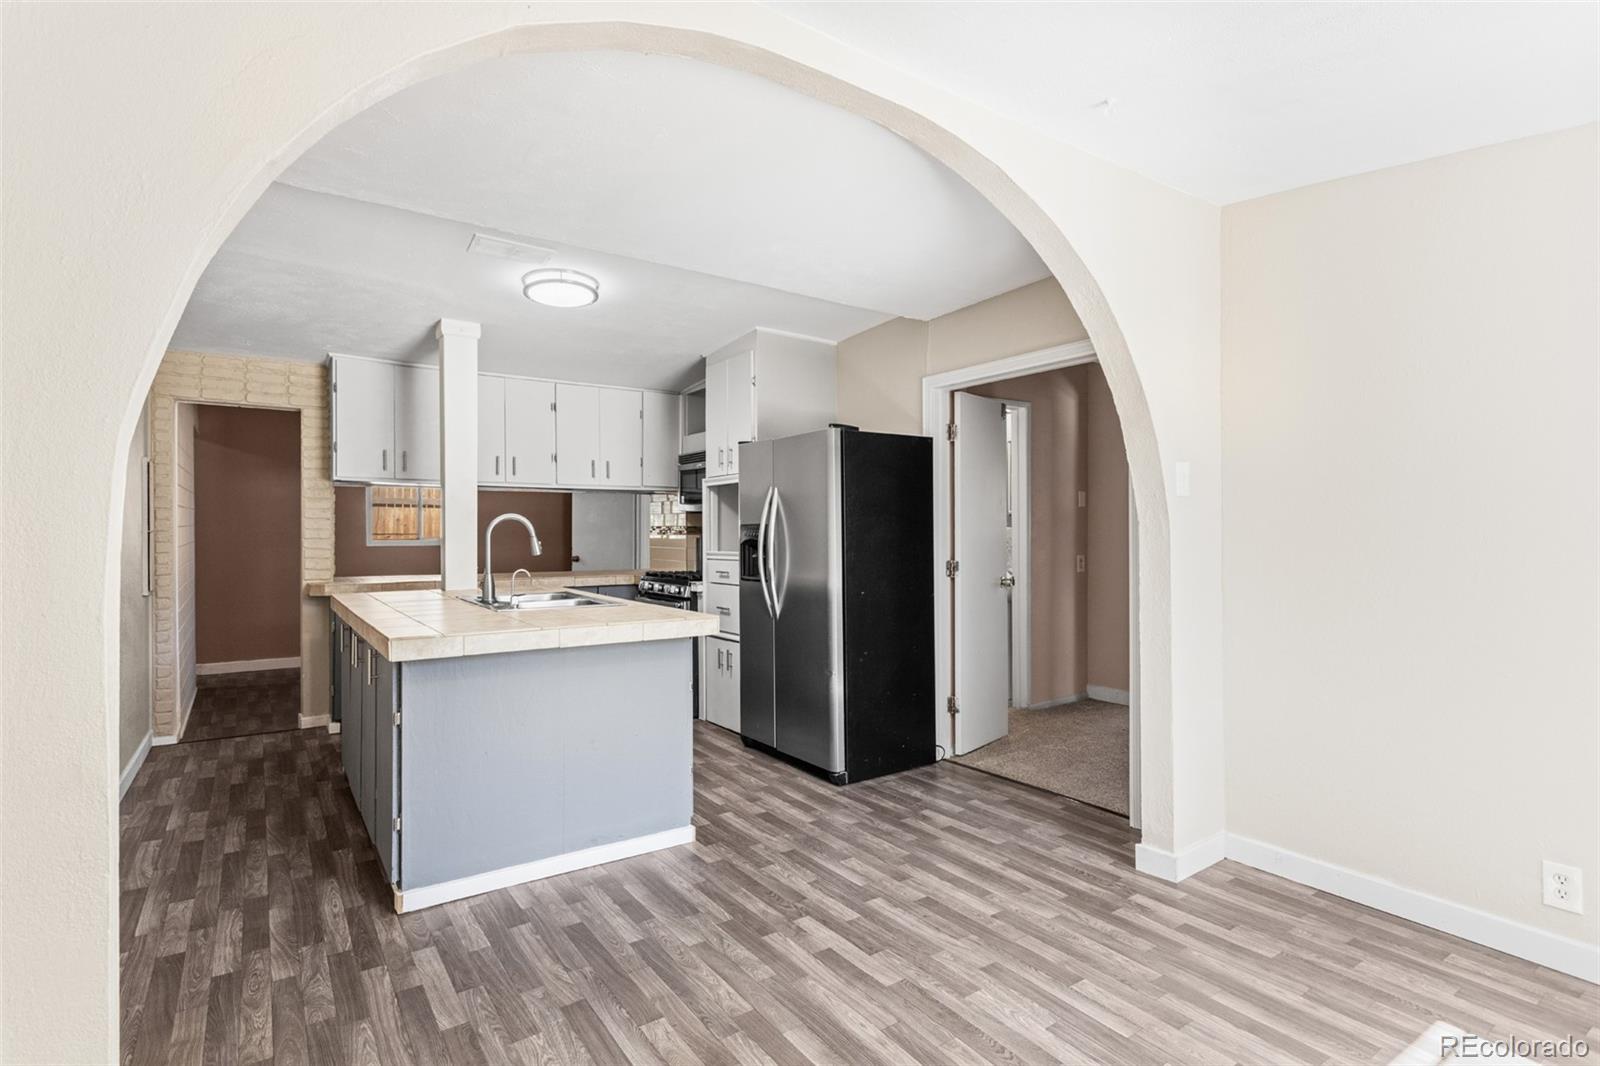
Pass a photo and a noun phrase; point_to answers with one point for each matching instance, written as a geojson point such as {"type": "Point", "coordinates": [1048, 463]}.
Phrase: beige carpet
{"type": "Point", "coordinates": [1078, 750]}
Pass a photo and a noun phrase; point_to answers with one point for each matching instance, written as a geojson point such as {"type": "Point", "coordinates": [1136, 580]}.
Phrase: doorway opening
{"type": "Point", "coordinates": [1040, 573]}
{"type": "Point", "coordinates": [236, 517]}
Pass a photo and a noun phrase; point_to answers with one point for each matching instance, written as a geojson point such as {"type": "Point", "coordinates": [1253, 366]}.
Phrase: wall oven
{"type": "Point", "coordinates": [691, 474]}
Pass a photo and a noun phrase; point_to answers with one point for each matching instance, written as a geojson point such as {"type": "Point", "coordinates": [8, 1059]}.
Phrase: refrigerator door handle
{"type": "Point", "coordinates": [761, 553]}
{"type": "Point", "coordinates": [779, 518]}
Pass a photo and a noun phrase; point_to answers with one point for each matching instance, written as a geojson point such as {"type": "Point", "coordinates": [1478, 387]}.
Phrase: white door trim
{"type": "Point", "coordinates": [1022, 559]}
{"type": "Point", "coordinates": [1135, 737]}
{"type": "Point", "coordinates": [936, 390]}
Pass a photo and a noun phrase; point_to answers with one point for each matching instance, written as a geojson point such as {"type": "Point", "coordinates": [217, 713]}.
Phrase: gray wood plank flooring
{"type": "Point", "coordinates": [938, 916]}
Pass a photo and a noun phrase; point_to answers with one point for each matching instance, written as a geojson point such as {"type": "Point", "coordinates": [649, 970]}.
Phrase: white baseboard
{"type": "Point", "coordinates": [131, 771]}
{"type": "Point", "coordinates": [1044, 705]}
{"type": "Point", "coordinates": [335, 728]}
{"type": "Point", "coordinates": [245, 666]}
{"type": "Point", "coordinates": [415, 899]}
{"type": "Point", "coordinates": [1109, 695]}
{"type": "Point", "coordinates": [314, 720]}
{"type": "Point", "coordinates": [1176, 866]}
{"type": "Point", "coordinates": [161, 742]}
{"type": "Point", "coordinates": [1570, 956]}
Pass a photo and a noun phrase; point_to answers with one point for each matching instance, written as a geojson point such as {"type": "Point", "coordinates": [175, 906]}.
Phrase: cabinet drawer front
{"type": "Point", "coordinates": [722, 568]}
{"type": "Point", "coordinates": [723, 601]}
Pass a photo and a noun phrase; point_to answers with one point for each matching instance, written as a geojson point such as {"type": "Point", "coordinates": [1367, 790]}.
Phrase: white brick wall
{"type": "Point", "coordinates": [194, 377]}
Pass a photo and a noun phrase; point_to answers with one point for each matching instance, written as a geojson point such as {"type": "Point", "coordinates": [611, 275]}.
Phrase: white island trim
{"type": "Point", "coordinates": [415, 899]}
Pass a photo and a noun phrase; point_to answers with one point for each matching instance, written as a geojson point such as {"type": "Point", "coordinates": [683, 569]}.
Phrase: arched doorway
{"type": "Point", "coordinates": [731, 38]}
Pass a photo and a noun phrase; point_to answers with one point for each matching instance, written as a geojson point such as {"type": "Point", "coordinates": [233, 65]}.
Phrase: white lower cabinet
{"type": "Point", "coordinates": [723, 601]}
{"type": "Point", "coordinates": [721, 679]}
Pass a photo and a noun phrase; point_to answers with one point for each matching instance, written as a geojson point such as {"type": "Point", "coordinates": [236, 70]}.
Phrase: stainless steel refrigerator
{"type": "Point", "coordinates": [836, 601]}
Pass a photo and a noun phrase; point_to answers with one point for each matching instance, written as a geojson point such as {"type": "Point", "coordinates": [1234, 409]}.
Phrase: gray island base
{"type": "Point", "coordinates": [478, 772]}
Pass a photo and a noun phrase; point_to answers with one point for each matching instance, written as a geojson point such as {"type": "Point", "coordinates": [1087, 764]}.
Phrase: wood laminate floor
{"type": "Point", "coordinates": [938, 916]}
{"type": "Point", "coordinates": [239, 705]}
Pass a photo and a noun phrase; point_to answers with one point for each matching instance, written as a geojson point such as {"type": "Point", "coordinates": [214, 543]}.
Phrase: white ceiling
{"type": "Point", "coordinates": [686, 164]}
{"type": "Point", "coordinates": [1230, 101]}
{"type": "Point", "coordinates": [307, 273]}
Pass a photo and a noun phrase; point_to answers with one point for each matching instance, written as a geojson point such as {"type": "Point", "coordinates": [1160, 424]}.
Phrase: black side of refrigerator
{"type": "Point", "coordinates": [887, 488]}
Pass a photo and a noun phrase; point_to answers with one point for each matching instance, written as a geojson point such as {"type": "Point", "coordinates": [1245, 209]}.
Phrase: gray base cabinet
{"type": "Point", "coordinates": [367, 690]}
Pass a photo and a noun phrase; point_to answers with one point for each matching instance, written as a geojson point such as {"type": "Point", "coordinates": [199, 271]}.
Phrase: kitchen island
{"type": "Point", "coordinates": [488, 748]}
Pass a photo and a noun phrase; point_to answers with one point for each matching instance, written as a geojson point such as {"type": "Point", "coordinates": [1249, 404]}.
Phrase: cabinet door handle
{"type": "Point", "coordinates": [730, 660]}
{"type": "Point", "coordinates": [386, 458]}
{"type": "Point", "coordinates": [722, 573]}
{"type": "Point", "coordinates": [725, 610]}
{"type": "Point", "coordinates": [719, 659]}
{"type": "Point", "coordinates": [591, 468]}
{"type": "Point", "coordinates": [497, 466]}
{"type": "Point", "coordinates": [403, 465]}
{"type": "Point", "coordinates": [513, 466]}
{"type": "Point", "coordinates": [608, 469]}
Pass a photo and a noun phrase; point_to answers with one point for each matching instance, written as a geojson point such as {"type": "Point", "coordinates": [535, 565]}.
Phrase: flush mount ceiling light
{"type": "Point", "coordinates": [554, 287]}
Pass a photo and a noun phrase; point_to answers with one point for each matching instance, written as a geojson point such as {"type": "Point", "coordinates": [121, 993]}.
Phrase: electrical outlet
{"type": "Point", "coordinates": [1563, 887]}
{"type": "Point", "coordinates": [1083, 498]}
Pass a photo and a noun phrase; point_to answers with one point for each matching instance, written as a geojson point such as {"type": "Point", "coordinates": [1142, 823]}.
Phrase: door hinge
{"type": "Point", "coordinates": [950, 432]}
{"type": "Point", "coordinates": [951, 567]}
{"type": "Point", "coordinates": [952, 705]}
{"type": "Point", "coordinates": [397, 825]}
{"type": "Point", "coordinates": [397, 719]}
{"type": "Point", "coordinates": [552, 405]}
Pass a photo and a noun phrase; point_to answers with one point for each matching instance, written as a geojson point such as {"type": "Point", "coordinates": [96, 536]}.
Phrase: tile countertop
{"type": "Point", "coordinates": [545, 581]}
{"type": "Point", "coordinates": [406, 626]}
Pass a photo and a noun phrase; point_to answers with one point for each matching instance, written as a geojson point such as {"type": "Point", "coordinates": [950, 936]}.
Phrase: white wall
{"type": "Point", "coordinates": [1409, 482]}
{"type": "Point", "coordinates": [137, 136]}
{"type": "Point", "coordinates": [134, 690]}
{"type": "Point", "coordinates": [183, 569]}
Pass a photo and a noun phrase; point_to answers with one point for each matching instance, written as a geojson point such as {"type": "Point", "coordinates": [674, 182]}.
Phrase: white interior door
{"type": "Point", "coordinates": [982, 605]}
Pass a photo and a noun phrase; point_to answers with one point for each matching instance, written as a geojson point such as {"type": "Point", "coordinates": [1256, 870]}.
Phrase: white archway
{"type": "Point", "coordinates": [385, 52]}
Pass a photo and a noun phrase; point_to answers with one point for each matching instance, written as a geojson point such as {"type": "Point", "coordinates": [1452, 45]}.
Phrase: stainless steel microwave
{"type": "Point", "coordinates": [691, 475]}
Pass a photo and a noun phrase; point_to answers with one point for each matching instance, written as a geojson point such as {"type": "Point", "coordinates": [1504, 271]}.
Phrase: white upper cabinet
{"type": "Point", "coordinates": [577, 434]}
{"type": "Point", "coordinates": [492, 465]}
{"type": "Point", "coordinates": [716, 419]}
{"type": "Point", "coordinates": [531, 443]}
{"type": "Point", "coordinates": [363, 420]}
{"type": "Point", "coordinates": [531, 433]}
{"type": "Point", "coordinates": [621, 451]}
{"type": "Point", "coordinates": [660, 469]}
{"type": "Point", "coordinates": [416, 422]}
{"type": "Point", "coordinates": [763, 386]}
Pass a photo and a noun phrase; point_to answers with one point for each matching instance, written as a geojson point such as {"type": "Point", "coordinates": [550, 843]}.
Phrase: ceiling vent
{"type": "Point", "coordinates": [504, 248]}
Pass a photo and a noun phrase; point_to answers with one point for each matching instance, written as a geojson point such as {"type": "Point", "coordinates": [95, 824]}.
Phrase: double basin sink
{"type": "Point", "coordinates": [539, 601]}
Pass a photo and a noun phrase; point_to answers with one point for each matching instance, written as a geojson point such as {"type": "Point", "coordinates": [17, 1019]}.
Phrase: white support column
{"type": "Point", "coordinates": [458, 450]}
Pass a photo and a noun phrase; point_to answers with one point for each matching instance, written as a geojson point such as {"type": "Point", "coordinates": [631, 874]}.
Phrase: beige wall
{"type": "Point", "coordinates": [1410, 523]}
{"type": "Point", "coordinates": [1078, 622]}
{"type": "Point", "coordinates": [123, 180]}
{"type": "Point", "coordinates": [881, 369]}
{"type": "Point", "coordinates": [1106, 536]}
{"type": "Point", "coordinates": [134, 723]}
{"type": "Point", "coordinates": [178, 675]}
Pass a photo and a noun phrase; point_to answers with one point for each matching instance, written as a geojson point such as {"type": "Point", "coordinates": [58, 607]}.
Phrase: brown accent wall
{"type": "Point", "coordinates": [246, 533]}
{"type": "Point", "coordinates": [550, 513]}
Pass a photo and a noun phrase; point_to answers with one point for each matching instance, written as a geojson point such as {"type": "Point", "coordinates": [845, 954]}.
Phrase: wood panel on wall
{"type": "Point", "coordinates": [247, 534]}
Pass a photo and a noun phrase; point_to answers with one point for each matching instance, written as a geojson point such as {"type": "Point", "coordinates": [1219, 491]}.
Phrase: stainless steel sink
{"type": "Point", "coordinates": [535, 601]}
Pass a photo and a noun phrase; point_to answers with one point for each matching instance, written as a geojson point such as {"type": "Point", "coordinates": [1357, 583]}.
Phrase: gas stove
{"type": "Point", "coordinates": [675, 588]}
